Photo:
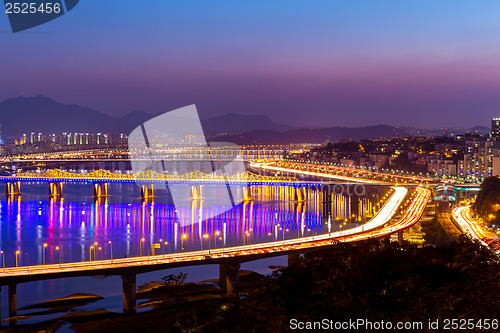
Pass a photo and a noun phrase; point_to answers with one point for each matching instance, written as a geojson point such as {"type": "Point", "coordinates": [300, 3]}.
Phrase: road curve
{"type": "Point", "coordinates": [377, 227]}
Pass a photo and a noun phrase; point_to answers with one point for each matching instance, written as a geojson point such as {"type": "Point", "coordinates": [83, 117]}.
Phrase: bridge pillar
{"type": "Point", "coordinates": [196, 192]}
{"type": "Point", "coordinates": [55, 189]}
{"type": "Point", "coordinates": [12, 303]}
{"type": "Point", "coordinates": [400, 237]}
{"type": "Point", "coordinates": [293, 258]}
{"type": "Point", "coordinates": [101, 200]}
{"type": "Point", "coordinates": [147, 192]}
{"type": "Point", "coordinates": [301, 195]}
{"type": "Point", "coordinates": [129, 293]}
{"type": "Point", "coordinates": [354, 206]}
{"type": "Point", "coordinates": [247, 193]}
{"type": "Point", "coordinates": [13, 188]}
{"type": "Point", "coordinates": [100, 190]}
{"type": "Point", "coordinates": [229, 276]}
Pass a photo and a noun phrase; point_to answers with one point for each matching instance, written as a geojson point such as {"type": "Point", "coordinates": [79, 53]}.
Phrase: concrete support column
{"type": "Point", "coordinates": [247, 193]}
{"type": "Point", "coordinates": [13, 188]}
{"type": "Point", "coordinates": [301, 196]}
{"type": "Point", "coordinates": [196, 192]}
{"type": "Point", "coordinates": [12, 303]}
{"type": "Point", "coordinates": [55, 189]}
{"type": "Point", "coordinates": [354, 206]}
{"type": "Point", "coordinates": [100, 190]}
{"type": "Point", "coordinates": [400, 237]}
{"type": "Point", "coordinates": [147, 192]}
{"type": "Point", "coordinates": [8, 189]}
{"type": "Point", "coordinates": [129, 293]}
{"type": "Point", "coordinates": [229, 276]}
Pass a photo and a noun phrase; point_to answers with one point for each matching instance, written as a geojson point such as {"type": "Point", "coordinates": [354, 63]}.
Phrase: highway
{"type": "Point", "coordinates": [377, 227]}
{"type": "Point", "coordinates": [462, 216]}
{"type": "Point", "coordinates": [266, 166]}
{"type": "Point", "coordinates": [332, 172]}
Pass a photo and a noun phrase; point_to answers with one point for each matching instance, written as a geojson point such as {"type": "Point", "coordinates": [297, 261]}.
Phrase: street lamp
{"type": "Point", "coordinates": [95, 249]}
{"type": "Point", "coordinates": [217, 233]}
{"type": "Point", "coordinates": [59, 252]}
{"type": "Point", "coordinates": [102, 256]}
{"type": "Point", "coordinates": [167, 243]}
{"type": "Point", "coordinates": [184, 236]}
{"type": "Point", "coordinates": [140, 247]}
{"type": "Point", "coordinates": [111, 245]}
{"type": "Point", "coordinates": [91, 248]}
{"type": "Point", "coordinates": [3, 260]}
{"type": "Point", "coordinates": [43, 250]}
{"type": "Point", "coordinates": [17, 263]}
{"type": "Point", "coordinates": [206, 236]}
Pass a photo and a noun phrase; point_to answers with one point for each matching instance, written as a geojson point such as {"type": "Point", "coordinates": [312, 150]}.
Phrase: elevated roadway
{"type": "Point", "coordinates": [229, 258]}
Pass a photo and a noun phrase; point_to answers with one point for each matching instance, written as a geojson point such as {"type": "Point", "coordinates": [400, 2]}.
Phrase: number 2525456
{"type": "Point", "coordinates": [32, 8]}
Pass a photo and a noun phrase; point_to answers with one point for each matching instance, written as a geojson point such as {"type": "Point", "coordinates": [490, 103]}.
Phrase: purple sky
{"type": "Point", "coordinates": [422, 63]}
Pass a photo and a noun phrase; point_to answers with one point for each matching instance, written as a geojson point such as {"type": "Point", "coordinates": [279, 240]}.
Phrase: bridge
{"type": "Point", "coordinates": [248, 181]}
{"type": "Point", "coordinates": [146, 179]}
{"type": "Point", "coordinates": [338, 173]}
{"type": "Point", "coordinates": [228, 259]}
{"type": "Point", "coordinates": [463, 216]}
{"type": "Point", "coordinates": [189, 153]}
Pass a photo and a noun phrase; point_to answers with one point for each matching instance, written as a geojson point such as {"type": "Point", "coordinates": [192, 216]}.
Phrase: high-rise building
{"type": "Point", "coordinates": [477, 162]}
{"type": "Point", "coordinates": [495, 127]}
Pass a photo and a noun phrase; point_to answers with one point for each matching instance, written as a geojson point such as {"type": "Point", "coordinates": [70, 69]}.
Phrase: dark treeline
{"type": "Point", "coordinates": [487, 202]}
{"type": "Point", "coordinates": [374, 281]}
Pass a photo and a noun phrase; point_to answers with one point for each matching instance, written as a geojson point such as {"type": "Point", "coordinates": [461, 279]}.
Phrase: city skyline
{"type": "Point", "coordinates": [323, 63]}
{"type": "Point", "coordinates": [249, 166]}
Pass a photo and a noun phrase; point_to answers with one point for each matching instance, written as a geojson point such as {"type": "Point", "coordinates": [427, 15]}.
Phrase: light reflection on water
{"type": "Point", "coordinates": [77, 222]}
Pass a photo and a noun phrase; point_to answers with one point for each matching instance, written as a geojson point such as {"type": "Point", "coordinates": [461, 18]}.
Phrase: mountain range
{"type": "Point", "coordinates": [41, 114]}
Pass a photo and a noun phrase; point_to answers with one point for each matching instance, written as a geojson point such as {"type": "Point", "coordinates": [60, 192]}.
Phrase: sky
{"type": "Point", "coordinates": [316, 63]}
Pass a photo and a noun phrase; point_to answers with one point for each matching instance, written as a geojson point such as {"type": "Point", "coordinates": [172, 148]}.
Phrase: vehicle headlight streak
{"type": "Point", "coordinates": [312, 173]}
{"type": "Point", "coordinates": [372, 229]}
{"type": "Point", "coordinates": [463, 218]}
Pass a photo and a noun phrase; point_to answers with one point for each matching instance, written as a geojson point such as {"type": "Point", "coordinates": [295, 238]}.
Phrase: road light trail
{"type": "Point", "coordinates": [463, 217]}
{"type": "Point", "coordinates": [311, 173]}
{"type": "Point", "coordinates": [372, 229]}
{"type": "Point", "coordinates": [325, 171]}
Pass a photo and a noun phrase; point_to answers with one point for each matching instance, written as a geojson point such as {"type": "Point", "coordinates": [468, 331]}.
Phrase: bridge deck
{"type": "Point", "coordinates": [377, 227]}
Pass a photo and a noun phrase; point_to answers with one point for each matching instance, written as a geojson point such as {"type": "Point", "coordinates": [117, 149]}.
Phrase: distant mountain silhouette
{"type": "Point", "coordinates": [133, 119]}
{"type": "Point", "coordinates": [479, 129]}
{"type": "Point", "coordinates": [318, 135]}
{"type": "Point", "coordinates": [43, 115]}
{"type": "Point", "coordinates": [239, 123]}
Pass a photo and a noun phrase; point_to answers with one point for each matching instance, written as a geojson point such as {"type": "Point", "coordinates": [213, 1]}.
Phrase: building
{"type": "Point", "coordinates": [495, 127]}
{"type": "Point", "coordinates": [477, 163]}
{"type": "Point", "coordinates": [441, 167]}
{"type": "Point", "coordinates": [496, 165]}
